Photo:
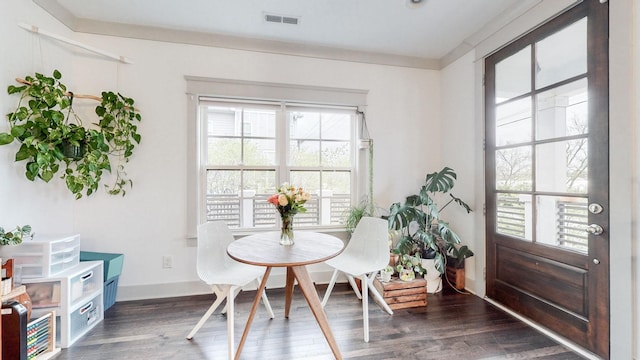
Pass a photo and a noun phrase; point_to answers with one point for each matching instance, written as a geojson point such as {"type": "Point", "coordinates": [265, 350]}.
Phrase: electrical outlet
{"type": "Point", "coordinates": [167, 261]}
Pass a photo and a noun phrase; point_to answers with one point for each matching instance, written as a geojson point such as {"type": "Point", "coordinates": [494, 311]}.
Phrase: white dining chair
{"type": "Point", "coordinates": [225, 275]}
{"type": "Point", "coordinates": [366, 253]}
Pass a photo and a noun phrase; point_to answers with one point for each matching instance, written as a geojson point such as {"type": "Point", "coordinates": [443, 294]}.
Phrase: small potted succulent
{"type": "Point", "coordinates": [385, 274]}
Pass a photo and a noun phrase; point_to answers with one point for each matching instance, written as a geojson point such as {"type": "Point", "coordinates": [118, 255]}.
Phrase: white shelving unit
{"type": "Point", "coordinates": [76, 297]}
{"type": "Point", "coordinates": [44, 255]}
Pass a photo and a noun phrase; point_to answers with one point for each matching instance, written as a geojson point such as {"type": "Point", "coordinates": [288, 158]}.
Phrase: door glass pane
{"type": "Point", "coordinates": [562, 166]}
{"type": "Point", "coordinates": [513, 215]}
{"type": "Point", "coordinates": [563, 111]}
{"type": "Point", "coordinates": [562, 55]}
{"type": "Point", "coordinates": [513, 75]}
{"type": "Point", "coordinates": [562, 222]}
{"type": "Point", "coordinates": [514, 169]}
{"type": "Point", "coordinates": [513, 122]}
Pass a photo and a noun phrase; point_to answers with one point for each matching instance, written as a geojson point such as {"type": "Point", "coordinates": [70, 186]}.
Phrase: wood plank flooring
{"type": "Point", "coordinates": [451, 326]}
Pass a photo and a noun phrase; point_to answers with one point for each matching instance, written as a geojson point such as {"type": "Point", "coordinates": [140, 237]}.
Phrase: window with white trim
{"type": "Point", "coordinates": [248, 148]}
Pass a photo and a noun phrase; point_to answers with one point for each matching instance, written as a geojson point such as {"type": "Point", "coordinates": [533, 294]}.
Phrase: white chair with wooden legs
{"type": "Point", "coordinates": [366, 253]}
{"type": "Point", "coordinates": [225, 275]}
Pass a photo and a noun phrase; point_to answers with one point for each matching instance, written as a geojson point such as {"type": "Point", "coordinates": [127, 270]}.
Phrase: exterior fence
{"type": "Point", "coordinates": [255, 211]}
{"type": "Point", "coordinates": [571, 221]}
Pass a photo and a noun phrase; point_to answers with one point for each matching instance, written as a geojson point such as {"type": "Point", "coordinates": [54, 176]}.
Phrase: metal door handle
{"type": "Point", "coordinates": [594, 229]}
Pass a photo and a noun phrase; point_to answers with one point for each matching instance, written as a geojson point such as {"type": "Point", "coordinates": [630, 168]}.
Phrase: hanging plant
{"type": "Point", "coordinates": [51, 135]}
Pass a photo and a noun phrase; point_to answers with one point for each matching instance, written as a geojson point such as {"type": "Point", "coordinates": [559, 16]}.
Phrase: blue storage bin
{"type": "Point", "coordinates": [112, 271]}
{"type": "Point", "coordinates": [112, 262]}
{"type": "Point", "coordinates": [110, 290]}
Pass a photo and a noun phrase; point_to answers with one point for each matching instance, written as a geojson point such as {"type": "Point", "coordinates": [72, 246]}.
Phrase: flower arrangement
{"type": "Point", "coordinates": [289, 201]}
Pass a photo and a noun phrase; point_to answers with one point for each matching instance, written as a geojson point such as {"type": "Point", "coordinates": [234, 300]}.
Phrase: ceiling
{"type": "Point", "coordinates": [431, 30]}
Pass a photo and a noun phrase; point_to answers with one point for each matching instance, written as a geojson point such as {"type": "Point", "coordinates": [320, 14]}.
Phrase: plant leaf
{"type": "Point", "coordinates": [6, 138]}
{"type": "Point", "coordinates": [441, 181]}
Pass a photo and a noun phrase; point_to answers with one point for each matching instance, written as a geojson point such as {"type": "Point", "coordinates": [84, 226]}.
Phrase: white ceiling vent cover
{"type": "Point", "coordinates": [281, 19]}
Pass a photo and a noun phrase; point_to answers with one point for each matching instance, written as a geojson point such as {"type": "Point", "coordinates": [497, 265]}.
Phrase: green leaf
{"type": "Point", "coordinates": [23, 153]}
{"type": "Point", "coordinates": [6, 138]}
{"type": "Point", "coordinates": [46, 175]}
{"type": "Point", "coordinates": [17, 130]}
{"type": "Point", "coordinates": [441, 181]}
{"type": "Point", "coordinates": [32, 171]}
{"type": "Point", "coordinates": [15, 89]}
{"type": "Point", "coordinates": [57, 75]}
{"type": "Point", "coordinates": [100, 110]}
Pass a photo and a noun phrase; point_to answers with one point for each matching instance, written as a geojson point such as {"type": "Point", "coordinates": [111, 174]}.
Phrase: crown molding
{"type": "Point", "coordinates": [229, 41]}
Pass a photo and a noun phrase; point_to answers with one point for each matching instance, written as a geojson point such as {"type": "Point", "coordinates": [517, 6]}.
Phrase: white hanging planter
{"type": "Point", "coordinates": [433, 276]}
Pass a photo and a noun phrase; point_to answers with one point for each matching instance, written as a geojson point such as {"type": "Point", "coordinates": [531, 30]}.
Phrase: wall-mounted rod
{"type": "Point", "coordinates": [37, 30]}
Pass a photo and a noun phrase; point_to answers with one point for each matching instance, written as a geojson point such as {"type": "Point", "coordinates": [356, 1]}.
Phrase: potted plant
{"type": "Point", "coordinates": [410, 266]}
{"type": "Point", "coordinates": [419, 222]}
{"type": "Point", "coordinates": [354, 214]}
{"type": "Point", "coordinates": [15, 237]}
{"type": "Point", "coordinates": [52, 136]}
{"type": "Point", "coordinates": [385, 274]}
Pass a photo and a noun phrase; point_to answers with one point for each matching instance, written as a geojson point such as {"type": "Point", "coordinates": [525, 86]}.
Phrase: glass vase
{"type": "Point", "coordinates": [286, 234]}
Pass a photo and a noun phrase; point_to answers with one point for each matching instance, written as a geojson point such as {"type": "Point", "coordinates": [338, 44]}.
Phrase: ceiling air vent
{"type": "Point", "coordinates": [280, 19]}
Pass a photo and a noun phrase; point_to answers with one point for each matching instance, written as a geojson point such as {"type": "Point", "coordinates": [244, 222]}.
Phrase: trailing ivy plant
{"type": "Point", "coordinates": [15, 237]}
{"type": "Point", "coordinates": [51, 134]}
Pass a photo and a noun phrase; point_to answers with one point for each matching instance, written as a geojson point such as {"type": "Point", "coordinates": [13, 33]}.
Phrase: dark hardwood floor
{"type": "Point", "coordinates": [451, 326]}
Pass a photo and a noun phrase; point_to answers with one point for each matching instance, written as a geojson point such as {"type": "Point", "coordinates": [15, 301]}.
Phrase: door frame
{"type": "Point", "coordinates": [594, 9]}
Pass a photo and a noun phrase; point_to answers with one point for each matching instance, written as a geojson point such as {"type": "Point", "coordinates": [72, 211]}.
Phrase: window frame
{"type": "Point", "coordinates": [257, 92]}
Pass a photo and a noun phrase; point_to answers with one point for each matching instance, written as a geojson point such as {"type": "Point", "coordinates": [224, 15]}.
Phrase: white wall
{"type": "Point", "coordinates": [462, 114]}
{"type": "Point", "coordinates": [22, 202]}
{"type": "Point", "coordinates": [150, 221]}
{"type": "Point", "coordinates": [462, 151]}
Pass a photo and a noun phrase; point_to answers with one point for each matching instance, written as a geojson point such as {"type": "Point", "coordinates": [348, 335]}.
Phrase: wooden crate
{"type": "Point", "coordinates": [403, 294]}
{"type": "Point", "coordinates": [456, 277]}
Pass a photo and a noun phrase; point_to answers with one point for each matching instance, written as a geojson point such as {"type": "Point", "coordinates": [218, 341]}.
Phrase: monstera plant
{"type": "Point", "coordinates": [54, 139]}
{"type": "Point", "coordinates": [419, 221]}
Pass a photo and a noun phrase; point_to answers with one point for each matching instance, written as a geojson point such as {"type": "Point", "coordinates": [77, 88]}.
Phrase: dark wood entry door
{"type": "Point", "coordinates": [547, 188]}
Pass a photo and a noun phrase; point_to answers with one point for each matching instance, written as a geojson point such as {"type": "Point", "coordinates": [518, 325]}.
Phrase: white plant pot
{"type": "Point", "coordinates": [433, 276]}
{"type": "Point", "coordinates": [385, 276]}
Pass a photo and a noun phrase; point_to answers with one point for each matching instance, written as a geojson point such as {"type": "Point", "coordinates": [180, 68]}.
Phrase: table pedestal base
{"type": "Point", "coordinates": [300, 274]}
